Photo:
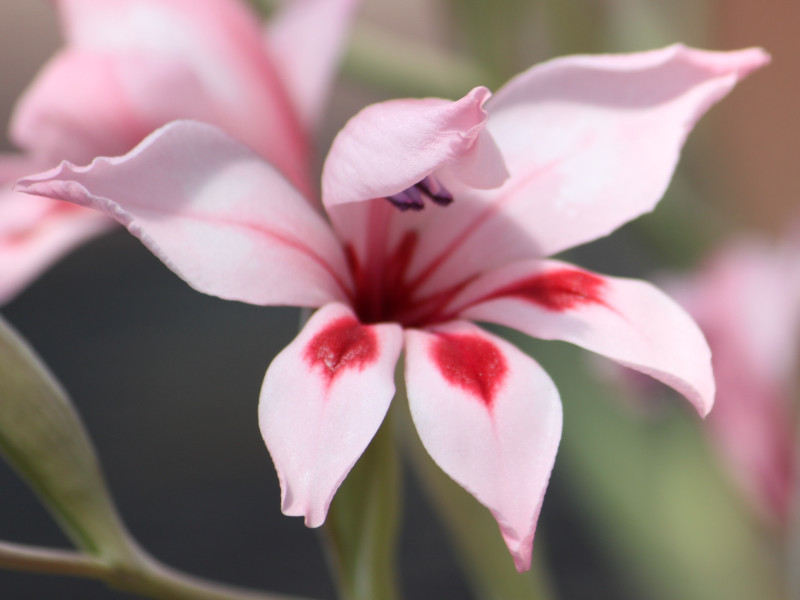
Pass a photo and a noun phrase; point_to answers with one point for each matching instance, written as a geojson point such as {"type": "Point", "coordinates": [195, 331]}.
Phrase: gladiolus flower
{"type": "Point", "coordinates": [440, 213]}
{"type": "Point", "coordinates": [129, 67]}
{"type": "Point", "coordinates": [746, 299]}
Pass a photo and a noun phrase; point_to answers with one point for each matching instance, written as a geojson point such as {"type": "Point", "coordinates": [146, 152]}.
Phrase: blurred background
{"type": "Point", "coordinates": [167, 379]}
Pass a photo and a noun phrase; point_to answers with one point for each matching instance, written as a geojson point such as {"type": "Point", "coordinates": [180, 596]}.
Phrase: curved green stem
{"type": "Point", "coordinates": [144, 577]}
{"type": "Point", "coordinates": [154, 580]}
{"type": "Point", "coordinates": [19, 557]}
{"type": "Point", "coordinates": [361, 528]}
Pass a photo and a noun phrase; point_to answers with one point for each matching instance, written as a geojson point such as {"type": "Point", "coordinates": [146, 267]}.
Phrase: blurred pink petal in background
{"type": "Point", "coordinates": [746, 298]}
{"type": "Point", "coordinates": [130, 66]}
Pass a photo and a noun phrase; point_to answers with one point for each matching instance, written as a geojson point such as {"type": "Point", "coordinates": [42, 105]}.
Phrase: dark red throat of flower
{"type": "Point", "coordinates": [414, 197]}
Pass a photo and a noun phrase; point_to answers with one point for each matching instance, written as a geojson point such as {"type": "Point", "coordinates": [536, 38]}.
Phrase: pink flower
{"type": "Point", "coordinates": [130, 66]}
{"type": "Point", "coordinates": [747, 301]}
{"type": "Point", "coordinates": [440, 213]}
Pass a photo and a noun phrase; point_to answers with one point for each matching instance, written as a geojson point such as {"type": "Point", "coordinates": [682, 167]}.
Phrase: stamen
{"type": "Point", "coordinates": [413, 198]}
{"type": "Point", "coordinates": [408, 199]}
{"type": "Point", "coordinates": [435, 191]}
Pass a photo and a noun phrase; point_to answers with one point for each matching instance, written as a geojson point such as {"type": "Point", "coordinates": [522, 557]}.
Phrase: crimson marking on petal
{"type": "Point", "coordinates": [471, 363]}
{"type": "Point", "coordinates": [559, 290]}
{"type": "Point", "coordinates": [343, 344]}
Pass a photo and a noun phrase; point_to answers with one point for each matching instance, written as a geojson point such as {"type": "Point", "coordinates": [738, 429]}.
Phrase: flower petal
{"type": "Point", "coordinates": [590, 142]}
{"type": "Point", "coordinates": [35, 232]}
{"type": "Point", "coordinates": [306, 39]}
{"type": "Point", "coordinates": [215, 213]}
{"type": "Point", "coordinates": [490, 417]}
{"type": "Point", "coordinates": [745, 299]}
{"type": "Point", "coordinates": [148, 62]}
{"type": "Point", "coordinates": [626, 320]}
{"type": "Point", "coordinates": [323, 399]}
{"type": "Point", "coordinates": [390, 146]}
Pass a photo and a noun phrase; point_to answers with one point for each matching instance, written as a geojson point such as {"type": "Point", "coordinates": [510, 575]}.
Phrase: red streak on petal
{"type": "Point", "coordinates": [471, 363]}
{"type": "Point", "coordinates": [343, 344]}
{"type": "Point", "coordinates": [559, 290]}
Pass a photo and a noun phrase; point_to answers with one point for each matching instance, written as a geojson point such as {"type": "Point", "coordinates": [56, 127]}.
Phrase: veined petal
{"type": "Point", "coordinates": [388, 147]}
{"type": "Point", "coordinates": [161, 60]}
{"type": "Point", "coordinates": [590, 143]}
{"type": "Point", "coordinates": [626, 320]}
{"type": "Point", "coordinates": [306, 39]}
{"type": "Point", "coordinates": [216, 214]}
{"type": "Point", "coordinates": [490, 417]}
{"type": "Point", "coordinates": [324, 397]}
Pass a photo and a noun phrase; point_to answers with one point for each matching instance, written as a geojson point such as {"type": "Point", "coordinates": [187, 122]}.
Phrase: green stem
{"type": "Point", "coordinates": [142, 576]}
{"type": "Point", "coordinates": [154, 580]}
{"type": "Point", "coordinates": [361, 528]}
{"type": "Point", "coordinates": [18, 557]}
{"type": "Point", "coordinates": [410, 67]}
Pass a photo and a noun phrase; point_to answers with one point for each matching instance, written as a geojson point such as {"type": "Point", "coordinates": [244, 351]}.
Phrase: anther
{"type": "Point", "coordinates": [413, 198]}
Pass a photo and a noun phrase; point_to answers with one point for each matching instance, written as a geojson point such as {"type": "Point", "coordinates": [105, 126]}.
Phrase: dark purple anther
{"type": "Point", "coordinates": [413, 198]}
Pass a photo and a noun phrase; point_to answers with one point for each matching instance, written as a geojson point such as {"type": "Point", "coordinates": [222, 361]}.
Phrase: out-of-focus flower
{"type": "Point", "coordinates": [130, 66]}
{"type": "Point", "coordinates": [441, 213]}
{"type": "Point", "coordinates": [747, 301]}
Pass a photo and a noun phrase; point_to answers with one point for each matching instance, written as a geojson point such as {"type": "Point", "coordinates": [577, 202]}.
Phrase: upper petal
{"type": "Point", "coordinates": [490, 417]}
{"type": "Point", "coordinates": [306, 39]}
{"type": "Point", "coordinates": [219, 216]}
{"type": "Point", "coordinates": [626, 320]}
{"type": "Point", "coordinates": [590, 143]}
{"type": "Point", "coordinates": [390, 146]}
{"type": "Point", "coordinates": [323, 399]}
{"type": "Point", "coordinates": [148, 62]}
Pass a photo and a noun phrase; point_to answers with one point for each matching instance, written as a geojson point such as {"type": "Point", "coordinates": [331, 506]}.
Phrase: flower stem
{"type": "Point", "coordinates": [144, 577]}
{"type": "Point", "coordinates": [408, 66]}
{"type": "Point", "coordinates": [361, 528]}
{"type": "Point", "coordinates": [19, 557]}
{"type": "Point", "coordinates": [157, 581]}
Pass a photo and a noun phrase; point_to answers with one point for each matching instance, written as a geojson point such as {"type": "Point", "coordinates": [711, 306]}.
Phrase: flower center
{"type": "Point", "coordinates": [413, 198]}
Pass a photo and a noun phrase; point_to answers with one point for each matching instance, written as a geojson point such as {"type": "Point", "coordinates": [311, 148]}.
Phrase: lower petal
{"type": "Point", "coordinates": [324, 397]}
{"type": "Point", "coordinates": [490, 417]}
{"type": "Point", "coordinates": [626, 320]}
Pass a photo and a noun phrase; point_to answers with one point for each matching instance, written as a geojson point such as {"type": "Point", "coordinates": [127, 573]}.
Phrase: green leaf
{"type": "Point", "coordinates": [43, 438]}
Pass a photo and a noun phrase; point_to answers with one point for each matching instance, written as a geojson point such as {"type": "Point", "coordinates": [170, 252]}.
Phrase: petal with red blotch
{"type": "Point", "coordinates": [626, 320]}
{"type": "Point", "coordinates": [390, 146]}
{"type": "Point", "coordinates": [590, 143]}
{"type": "Point", "coordinates": [220, 70]}
{"type": "Point", "coordinates": [306, 39]}
{"type": "Point", "coordinates": [490, 417]}
{"type": "Point", "coordinates": [324, 397]}
{"type": "Point", "coordinates": [216, 213]}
